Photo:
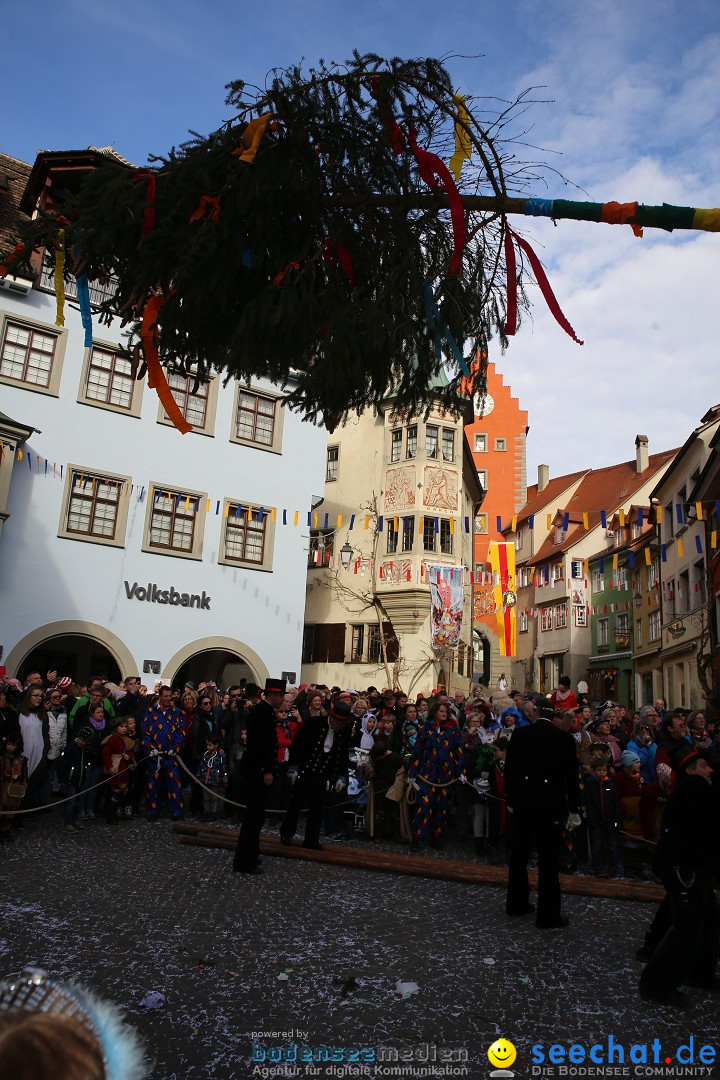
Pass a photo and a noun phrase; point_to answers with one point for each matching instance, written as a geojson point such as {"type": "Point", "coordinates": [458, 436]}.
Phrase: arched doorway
{"type": "Point", "coordinates": [73, 648]}
{"type": "Point", "coordinates": [220, 659]}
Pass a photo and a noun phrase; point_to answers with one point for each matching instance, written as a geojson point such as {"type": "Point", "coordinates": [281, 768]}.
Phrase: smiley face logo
{"type": "Point", "coordinates": [502, 1053]}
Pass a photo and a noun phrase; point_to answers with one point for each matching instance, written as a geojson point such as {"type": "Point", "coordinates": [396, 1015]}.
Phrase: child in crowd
{"type": "Point", "coordinates": [97, 725]}
{"type": "Point", "coordinates": [500, 820]}
{"type": "Point", "coordinates": [13, 782]}
{"type": "Point", "coordinates": [603, 815]}
{"type": "Point", "coordinates": [75, 774]}
{"type": "Point", "coordinates": [117, 759]}
{"type": "Point", "coordinates": [213, 774]}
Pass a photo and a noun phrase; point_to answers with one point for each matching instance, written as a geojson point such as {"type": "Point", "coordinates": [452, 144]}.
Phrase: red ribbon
{"type": "Point", "coordinates": [206, 203]}
{"type": "Point", "coordinates": [542, 281]}
{"type": "Point", "coordinates": [149, 211]}
{"type": "Point", "coordinates": [335, 253]}
{"type": "Point", "coordinates": [430, 166]}
{"type": "Point", "coordinates": [278, 279]}
{"type": "Point", "coordinates": [397, 137]}
{"type": "Point", "coordinates": [11, 259]}
{"type": "Point", "coordinates": [155, 374]}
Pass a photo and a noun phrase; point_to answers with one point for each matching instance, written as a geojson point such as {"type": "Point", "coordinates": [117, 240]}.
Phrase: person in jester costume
{"type": "Point", "coordinates": [162, 732]}
{"type": "Point", "coordinates": [436, 765]}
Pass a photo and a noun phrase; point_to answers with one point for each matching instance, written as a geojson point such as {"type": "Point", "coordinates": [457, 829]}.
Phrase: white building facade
{"type": "Point", "coordinates": [127, 547]}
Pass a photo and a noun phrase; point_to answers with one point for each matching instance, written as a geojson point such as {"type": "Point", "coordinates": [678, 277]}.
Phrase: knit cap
{"type": "Point", "coordinates": [629, 757]}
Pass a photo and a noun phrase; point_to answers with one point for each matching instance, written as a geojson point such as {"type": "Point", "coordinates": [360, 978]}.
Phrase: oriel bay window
{"type": "Point", "coordinates": [408, 533]}
{"type": "Point", "coordinates": [392, 536]}
{"type": "Point", "coordinates": [431, 441]}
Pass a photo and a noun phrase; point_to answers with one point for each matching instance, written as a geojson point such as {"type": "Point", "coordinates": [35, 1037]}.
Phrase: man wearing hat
{"type": "Point", "coordinates": [686, 860]}
{"type": "Point", "coordinates": [541, 787]}
{"type": "Point", "coordinates": [258, 767]}
{"type": "Point", "coordinates": [318, 763]}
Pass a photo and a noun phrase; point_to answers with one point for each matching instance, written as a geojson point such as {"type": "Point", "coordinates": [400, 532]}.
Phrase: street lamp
{"type": "Point", "coordinates": [637, 598]}
{"type": "Point", "coordinates": [346, 554]}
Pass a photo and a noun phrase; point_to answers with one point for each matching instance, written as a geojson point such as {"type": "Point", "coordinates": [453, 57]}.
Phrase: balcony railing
{"type": "Point", "coordinates": [99, 293]}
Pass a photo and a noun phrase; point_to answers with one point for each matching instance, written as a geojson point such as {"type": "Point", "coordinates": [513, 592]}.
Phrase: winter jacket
{"type": "Point", "coordinates": [57, 729]}
{"type": "Point", "coordinates": [602, 802]}
{"type": "Point", "coordinates": [213, 769]}
{"type": "Point", "coordinates": [75, 765]}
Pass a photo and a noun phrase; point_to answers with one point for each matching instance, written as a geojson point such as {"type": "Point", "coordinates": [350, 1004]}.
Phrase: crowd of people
{"type": "Point", "coordinates": [409, 769]}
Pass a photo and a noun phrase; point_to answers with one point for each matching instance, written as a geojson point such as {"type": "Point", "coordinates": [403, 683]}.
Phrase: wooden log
{"type": "Point", "coordinates": [420, 866]}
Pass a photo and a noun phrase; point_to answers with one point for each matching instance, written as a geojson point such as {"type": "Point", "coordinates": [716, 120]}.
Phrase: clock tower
{"type": "Point", "coordinates": [497, 439]}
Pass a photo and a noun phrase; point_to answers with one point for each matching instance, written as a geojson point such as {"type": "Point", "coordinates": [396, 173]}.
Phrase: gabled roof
{"type": "Point", "coordinates": [601, 489]}
{"type": "Point", "coordinates": [711, 417]}
{"type": "Point", "coordinates": [13, 178]}
{"type": "Point", "coordinates": [539, 500]}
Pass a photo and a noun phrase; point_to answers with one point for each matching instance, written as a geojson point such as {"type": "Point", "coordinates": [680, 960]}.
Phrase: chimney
{"type": "Point", "coordinates": [641, 454]}
{"type": "Point", "coordinates": [544, 476]}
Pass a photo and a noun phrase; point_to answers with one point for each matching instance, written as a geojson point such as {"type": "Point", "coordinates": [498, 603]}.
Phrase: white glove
{"type": "Point", "coordinates": [170, 753]}
{"type": "Point", "coordinates": [154, 753]}
{"type": "Point", "coordinates": [292, 775]}
{"type": "Point", "coordinates": [574, 821]}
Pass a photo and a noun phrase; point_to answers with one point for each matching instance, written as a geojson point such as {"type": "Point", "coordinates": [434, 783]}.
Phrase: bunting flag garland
{"type": "Point", "coordinates": [540, 277]}
{"type": "Point", "coordinates": [155, 372]}
{"type": "Point", "coordinates": [60, 278]}
{"type": "Point", "coordinates": [463, 142]}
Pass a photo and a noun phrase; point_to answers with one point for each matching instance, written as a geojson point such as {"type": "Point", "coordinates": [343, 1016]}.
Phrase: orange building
{"type": "Point", "coordinates": [498, 441]}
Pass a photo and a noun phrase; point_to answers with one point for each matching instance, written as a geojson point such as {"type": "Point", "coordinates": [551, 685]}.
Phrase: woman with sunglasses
{"type": "Point", "coordinates": [202, 725]}
{"type": "Point", "coordinates": [57, 725]}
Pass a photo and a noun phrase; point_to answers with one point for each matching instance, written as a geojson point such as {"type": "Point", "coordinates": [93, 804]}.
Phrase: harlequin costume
{"type": "Point", "coordinates": [162, 732]}
{"type": "Point", "coordinates": [437, 763]}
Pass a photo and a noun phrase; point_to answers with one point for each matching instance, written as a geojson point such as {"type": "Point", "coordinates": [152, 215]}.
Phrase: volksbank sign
{"type": "Point", "coordinates": [153, 594]}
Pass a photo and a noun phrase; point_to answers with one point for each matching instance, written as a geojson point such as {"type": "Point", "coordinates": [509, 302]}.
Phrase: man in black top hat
{"type": "Point", "coordinates": [318, 762]}
{"type": "Point", "coordinates": [541, 786]}
{"type": "Point", "coordinates": [686, 860]}
{"type": "Point", "coordinates": [258, 768]}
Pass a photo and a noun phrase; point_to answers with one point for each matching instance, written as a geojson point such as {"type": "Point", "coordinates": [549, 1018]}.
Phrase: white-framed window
{"type": "Point", "coordinates": [174, 522]}
{"type": "Point", "coordinates": [635, 530]}
{"type": "Point", "coordinates": [560, 616]}
{"type": "Point", "coordinates": [94, 507]}
{"type": "Point", "coordinates": [653, 574]}
{"type": "Point", "coordinates": [480, 444]}
{"type": "Point", "coordinates": [482, 478]}
{"type": "Point", "coordinates": [558, 571]}
{"type": "Point", "coordinates": [448, 444]}
{"type": "Point", "coordinates": [396, 437]}
{"type": "Point", "coordinates": [622, 623]}
{"type": "Point", "coordinates": [638, 633]}
{"type": "Point", "coordinates": [392, 536]}
{"type": "Point", "coordinates": [501, 444]}
{"type": "Point", "coordinates": [432, 434]}
{"type": "Point", "coordinates": [580, 614]}
{"type": "Point", "coordinates": [357, 647]}
{"type": "Point", "coordinates": [31, 354]}
{"type": "Point", "coordinates": [108, 381]}
{"type": "Point", "coordinates": [519, 539]}
{"type": "Point", "coordinates": [193, 397]}
{"type": "Point", "coordinates": [603, 631]}
{"type": "Point", "coordinates": [333, 454]}
{"type": "Point", "coordinates": [408, 532]}
{"type": "Point", "coordinates": [258, 419]}
{"type": "Point", "coordinates": [546, 618]}
{"type": "Point", "coordinates": [321, 547]}
{"type": "Point", "coordinates": [247, 537]}
{"type": "Point", "coordinates": [598, 581]}
{"type": "Point", "coordinates": [621, 577]}
{"type": "Point", "coordinates": [654, 626]}
{"type": "Point", "coordinates": [523, 622]}
{"type": "Point", "coordinates": [481, 523]}
{"type": "Point", "coordinates": [446, 537]}
{"type": "Point", "coordinates": [411, 441]}
{"type": "Point", "coordinates": [576, 569]}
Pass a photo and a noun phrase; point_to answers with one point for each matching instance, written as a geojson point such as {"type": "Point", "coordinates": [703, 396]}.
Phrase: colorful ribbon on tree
{"type": "Point", "coordinates": [540, 277]}
{"type": "Point", "coordinates": [429, 166]}
{"type": "Point", "coordinates": [207, 202]}
{"type": "Point", "coordinates": [149, 336]}
{"type": "Point", "coordinates": [250, 138]}
{"type": "Point", "coordinates": [463, 142]}
{"type": "Point", "coordinates": [149, 210]}
{"type": "Point", "coordinates": [60, 279]}
{"type": "Point", "coordinates": [440, 330]}
{"type": "Point", "coordinates": [336, 254]}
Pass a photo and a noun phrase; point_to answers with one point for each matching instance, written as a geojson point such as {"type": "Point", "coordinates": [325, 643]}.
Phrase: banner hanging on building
{"type": "Point", "coordinates": [446, 589]}
{"type": "Point", "coordinates": [502, 561]}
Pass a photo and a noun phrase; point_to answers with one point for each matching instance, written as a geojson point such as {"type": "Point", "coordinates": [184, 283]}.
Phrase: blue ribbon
{"type": "Point", "coordinates": [83, 295]}
{"type": "Point", "coordinates": [440, 330]}
{"type": "Point", "coordinates": [538, 208]}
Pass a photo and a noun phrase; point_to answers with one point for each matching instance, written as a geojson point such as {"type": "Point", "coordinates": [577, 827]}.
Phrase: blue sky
{"type": "Point", "coordinates": [631, 95]}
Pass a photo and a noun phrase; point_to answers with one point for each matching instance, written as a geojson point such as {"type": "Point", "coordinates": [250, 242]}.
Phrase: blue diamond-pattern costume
{"type": "Point", "coordinates": [162, 731]}
{"type": "Point", "coordinates": [438, 759]}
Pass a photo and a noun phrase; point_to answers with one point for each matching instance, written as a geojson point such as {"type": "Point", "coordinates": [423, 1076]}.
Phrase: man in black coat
{"type": "Point", "coordinates": [686, 860]}
{"type": "Point", "coordinates": [318, 762]}
{"type": "Point", "coordinates": [258, 768]}
{"type": "Point", "coordinates": [541, 787]}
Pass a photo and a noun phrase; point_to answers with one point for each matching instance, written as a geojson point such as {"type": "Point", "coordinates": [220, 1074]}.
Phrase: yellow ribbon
{"type": "Point", "coordinates": [250, 138]}
{"type": "Point", "coordinates": [463, 142]}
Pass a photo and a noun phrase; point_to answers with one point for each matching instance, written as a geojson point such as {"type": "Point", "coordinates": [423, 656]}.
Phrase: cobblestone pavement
{"type": "Point", "coordinates": [318, 949]}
